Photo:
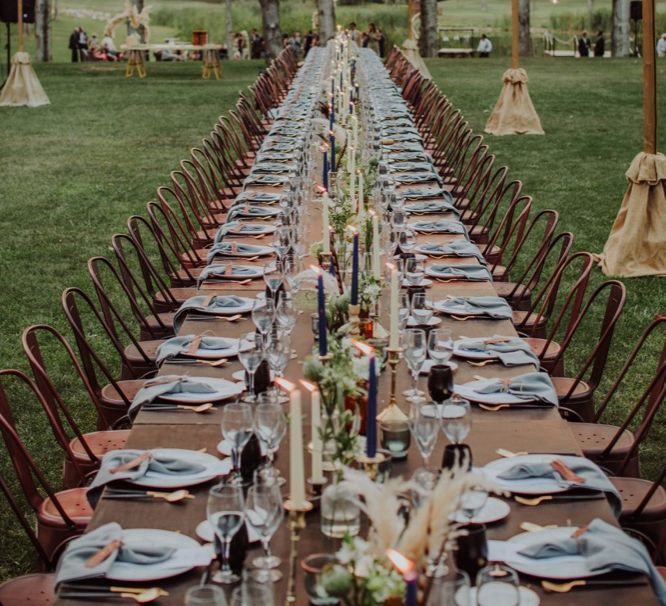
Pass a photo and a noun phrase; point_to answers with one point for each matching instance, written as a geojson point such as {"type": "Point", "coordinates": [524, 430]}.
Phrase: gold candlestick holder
{"type": "Point", "coordinates": [333, 184]}
{"type": "Point", "coordinates": [371, 464]}
{"type": "Point", "coordinates": [296, 526]}
{"type": "Point", "coordinates": [393, 359]}
{"type": "Point", "coordinates": [354, 320]}
{"type": "Point", "coordinates": [325, 260]}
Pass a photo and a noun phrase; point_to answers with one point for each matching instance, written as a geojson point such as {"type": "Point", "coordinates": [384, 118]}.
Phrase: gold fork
{"type": "Point", "coordinates": [484, 363]}
{"type": "Point", "coordinates": [569, 585]}
{"type": "Point", "coordinates": [213, 363]}
{"type": "Point", "coordinates": [534, 501]}
{"type": "Point", "coordinates": [495, 408]}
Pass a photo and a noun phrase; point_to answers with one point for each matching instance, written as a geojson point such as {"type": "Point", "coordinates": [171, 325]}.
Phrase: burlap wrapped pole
{"type": "Point", "coordinates": [410, 49]}
{"type": "Point", "coordinates": [637, 242]}
{"type": "Point", "coordinates": [514, 113]}
{"type": "Point", "coordinates": [22, 86]}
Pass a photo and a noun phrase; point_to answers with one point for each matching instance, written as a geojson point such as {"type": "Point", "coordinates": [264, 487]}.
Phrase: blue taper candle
{"type": "Point", "coordinates": [321, 300]}
{"type": "Point", "coordinates": [331, 144]}
{"type": "Point", "coordinates": [324, 171]}
{"type": "Point", "coordinates": [371, 416]}
{"type": "Point", "coordinates": [354, 281]}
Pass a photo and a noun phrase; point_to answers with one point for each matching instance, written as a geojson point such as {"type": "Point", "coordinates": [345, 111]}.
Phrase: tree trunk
{"type": "Point", "coordinates": [229, 26]}
{"type": "Point", "coordinates": [620, 38]}
{"type": "Point", "coordinates": [525, 36]}
{"type": "Point", "coordinates": [326, 12]}
{"type": "Point", "coordinates": [270, 17]}
{"type": "Point", "coordinates": [43, 30]}
{"type": "Point", "coordinates": [428, 40]}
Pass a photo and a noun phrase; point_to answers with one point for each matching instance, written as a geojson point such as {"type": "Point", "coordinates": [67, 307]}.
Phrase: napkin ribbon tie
{"type": "Point", "coordinates": [105, 552]}
{"type": "Point", "coordinates": [566, 472]}
{"type": "Point", "coordinates": [135, 462]}
{"type": "Point", "coordinates": [194, 345]}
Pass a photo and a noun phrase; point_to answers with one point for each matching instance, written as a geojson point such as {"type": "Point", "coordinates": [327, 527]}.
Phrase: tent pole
{"type": "Point", "coordinates": [649, 79]}
{"type": "Point", "coordinates": [20, 25]}
{"type": "Point", "coordinates": [515, 35]}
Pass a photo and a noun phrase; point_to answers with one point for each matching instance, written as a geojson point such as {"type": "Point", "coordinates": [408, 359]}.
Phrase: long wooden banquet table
{"type": "Point", "coordinates": [534, 430]}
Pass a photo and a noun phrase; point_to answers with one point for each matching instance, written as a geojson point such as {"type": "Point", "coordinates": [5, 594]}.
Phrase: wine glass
{"type": "Point", "coordinates": [252, 594]}
{"type": "Point", "coordinates": [205, 595]}
{"type": "Point", "coordinates": [407, 240]}
{"type": "Point", "coordinates": [237, 425]}
{"type": "Point", "coordinates": [440, 345]}
{"type": "Point", "coordinates": [278, 352]}
{"type": "Point", "coordinates": [472, 501]}
{"type": "Point", "coordinates": [450, 590]}
{"type": "Point", "coordinates": [404, 311]}
{"type": "Point", "coordinates": [497, 585]}
{"type": "Point", "coordinates": [274, 275]}
{"type": "Point", "coordinates": [424, 425]}
{"type": "Point", "coordinates": [264, 514]}
{"type": "Point", "coordinates": [270, 426]}
{"type": "Point", "coordinates": [225, 514]}
{"type": "Point", "coordinates": [251, 358]}
{"type": "Point", "coordinates": [263, 315]}
{"type": "Point", "coordinates": [286, 312]}
{"type": "Point", "coordinates": [421, 309]}
{"type": "Point", "coordinates": [414, 348]}
{"type": "Point", "coordinates": [414, 271]}
{"type": "Point", "coordinates": [456, 416]}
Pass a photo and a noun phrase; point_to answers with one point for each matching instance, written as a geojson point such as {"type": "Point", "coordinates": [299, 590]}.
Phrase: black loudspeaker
{"type": "Point", "coordinates": [9, 12]}
{"type": "Point", "coordinates": [636, 10]}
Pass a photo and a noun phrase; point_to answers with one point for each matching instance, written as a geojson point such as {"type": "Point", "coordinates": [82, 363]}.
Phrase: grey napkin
{"type": "Point", "coordinates": [198, 304]}
{"type": "Point", "coordinates": [218, 272]}
{"type": "Point", "coordinates": [513, 352]}
{"type": "Point", "coordinates": [167, 385]}
{"type": "Point", "coordinates": [404, 146]}
{"type": "Point", "coordinates": [442, 226]}
{"type": "Point", "coordinates": [457, 248]}
{"type": "Point", "coordinates": [268, 167]}
{"type": "Point", "coordinates": [474, 273]}
{"type": "Point", "coordinates": [258, 196]}
{"type": "Point", "coordinates": [417, 178]}
{"type": "Point", "coordinates": [493, 307]}
{"type": "Point", "coordinates": [237, 227]}
{"type": "Point", "coordinates": [431, 207]}
{"type": "Point", "coordinates": [232, 249]}
{"type": "Point", "coordinates": [160, 463]}
{"type": "Point", "coordinates": [531, 387]}
{"type": "Point", "coordinates": [605, 548]}
{"type": "Point", "coordinates": [72, 566]}
{"type": "Point", "coordinates": [178, 345]}
{"type": "Point", "coordinates": [595, 478]}
{"type": "Point", "coordinates": [410, 167]}
{"type": "Point", "coordinates": [267, 179]}
{"type": "Point", "coordinates": [410, 157]}
{"type": "Point", "coordinates": [416, 193]}
{"type": "Point", "coordinates": [251, 211]}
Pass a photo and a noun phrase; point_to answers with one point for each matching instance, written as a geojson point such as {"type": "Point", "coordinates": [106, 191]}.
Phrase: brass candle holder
{"type": "Point", "coordinates": [296, 526]}
{"type": "Point", "coordinates": [325, 260]}
{"type": "Point", "coordinates": [371, 464]}
{"type": "Point", "coordinates": [393, 359]}
{"type": "Point", "coordinates": [354, 320]}
{"type": "Point", "coordinates": [333, 184]}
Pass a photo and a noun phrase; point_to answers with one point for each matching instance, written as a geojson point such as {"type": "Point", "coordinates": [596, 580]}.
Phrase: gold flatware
{"type": "Point", "coordinates": [569, 585]}
{"type": "Point", "coordinates": [533, 502]}
{"type": "Point", "coordinates": [462, 318]}
{"type": "Point", "coordinates": [484, 363]}
{"type": "Point", "coordinates": [233, 318]}
{"type": "Point", "coordinates": [198, 409]}
{"type": "Point", "coordinates": [171, 497]}
{"type": "Point", "coordinates": [494, 408]}
{"type": "Point", "coordinates": [138, 590]}
{"type": "Point", "coordinates": [143, 596]}
{"type": "Point", "coordinates": [213, 363]}
{"type": "Point", "coordinates": [532, 527]}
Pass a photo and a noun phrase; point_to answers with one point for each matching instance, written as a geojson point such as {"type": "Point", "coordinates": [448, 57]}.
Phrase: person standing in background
{"type": "Point", "coordinates": [599, 45]}
{"type": "Point", "coordinates": [353, 32]}
{"type": "Point", "coordinates": [661, 46]}
{"type": "Point", "coordinates": [584, 45]}
{"type": "Point", "coordinates": [307, 43]}
{"type": "Point", "coordinates": [485, 46]}
{"type": "Point", "coordinates": [74, 45]}
{"type": "Point", "coordinates": [373, 37]}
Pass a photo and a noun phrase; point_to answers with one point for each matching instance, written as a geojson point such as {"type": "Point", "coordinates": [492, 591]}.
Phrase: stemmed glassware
{"type": "Point", "coordinates": [472, 501]}
{"type": "Point", "coordinates": [237, 426]}
{"type": "Point", "coordinates": [270, 426]}
{"type": "Point", "coordinates": [286, 312]}
{"type": "Point", "coordinates": [263, 315]}
{"type": "Point", "coordinates": [406, 240]}
{"type": "Point", "coordinates": [251, 358]}
{"type": "Point", "coordinates": [424, 428]}
{"type": "Point", "coordinates": [450, 590]}
{"type": "Point", "coordinates": [440, 345]}
{"type": "Point", "coordinates": [456, 416]}
{"type": "Point", "coordinates": [274, 275]}
{"type": "Point", "coordinates": [497, 585]}
{"type": "Point", "coordinates": [414, 350]}
{"type": "Point", "coordinates": [421, 309]}
{"type": "Point", "coordinates": [225, 514]}
{"type": "Point", "coordinates": [265, 512]}
{"type": "Point", "coordinates": [414, 271]}
{"type": "Point", "coordinates": [404, 312]}
{"type": "Point", "coordinates": [278, 352]}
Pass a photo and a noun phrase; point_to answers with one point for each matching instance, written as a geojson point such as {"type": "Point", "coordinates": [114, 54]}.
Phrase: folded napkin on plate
{"type": "Point", "coordinates": [154, 462]}
{"type": "Point", "coordinates": [430, 207]}
{"type": "Point", "coordinates": [493, 307]}
{"type": "Point", "coordinates": [416, 178]}
{"type": "Point", "coordinates": [404, 146]}
{"type": "Point", "coordinates": [511, 351]}
{"type": "Point", "coordinates": [400, 137]}
{"type": "Point", "coordinates": [267, 179]}
{"type": "Point", "coordinates": [525, 468]}
{"type": "Point", "coordinates": [473, 273]}
{"type": "Point", "coordinates": [237, 227]}
{"type": "Point", "coordinates": [206, 304]}
{"type": "Point", "coordinates": [457, 248]}
{"type": "Point", "coordinates": [180, 345]}
{"type": "Point", "coordinates": [416, 193]}
{"type": "Point", "coordinates": [410, 167]}
{"type": "Point", "coordinates": [268, 167]}
{"type": "Point", "coordinates": [258, 196]}
{"type": "Point", "coordinates": [442, 226]}
{"type": "Point", "coordinates": [532, 386]}
{"type": "Point", "coordinates": [74, 564]}
{"type": "Point", "coordinates": [411, 157]}
{"type": "Point", "coordinates": [168, 385]}
{"type": "Point", "coordinates": [605, 548]}
{"type": "Point", "coordinates": [251, 211]}
{"type": "Point", "coordinates": [220, 271]}
{"type": "Point", "coordinates": [233, 249]}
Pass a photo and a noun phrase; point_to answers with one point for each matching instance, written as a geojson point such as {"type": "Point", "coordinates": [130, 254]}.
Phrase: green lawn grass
{"type": "Point", "coordinates": [72, 172]}
{"type": "Point", "coordinates": [592, 114]}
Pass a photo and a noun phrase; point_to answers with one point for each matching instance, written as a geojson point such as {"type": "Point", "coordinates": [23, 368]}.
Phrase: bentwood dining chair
{"type": "Point", "coordinates": [60, 515]}
{"type": "Point", "coordinates": [83, 451]}
{"type": "Point", "coordinates": [125, 289]}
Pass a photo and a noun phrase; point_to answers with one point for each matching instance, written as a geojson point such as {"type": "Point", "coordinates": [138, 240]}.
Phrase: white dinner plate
{"type": "Point", "coordinates": [257, 250]}
{"type": "Point", "coordinates": [216, 354]}
{"type": "Point", "coordinates": [224, 390]}
{"type": "Point", "coordinates": [471, 355]}
{"type": "Point", "coordinates": [257, 229]}
{"type": "Point", "coordinates": [528, 485]}
{"type": "Point", "coordinates": [252, 272]}
{"type": "Point", "coordinates": [560, 567]}
{"type": "Point", "coordinates": [224, 448]}
{"type": "Point", "coordinates": [424, 282]}
{"type": "Point", "coordinates": [493, 511]}
{"type": "Point", "coordinates": [428, 364]}
{"type": "Point", "coordinates": [205, 532]}
{"type": "Point", "coordinates": [214, 467]}
{"type": "Point", "coordinates": [434, 321]}
{"type": "Point", "coordinates": [245, 307]}
{"type": "Point", "coordinates": [124, 571]}
{"type": "Point", "coordinates": [528, 597]}
{"type": "Point", "coordinates": [466, 390]}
